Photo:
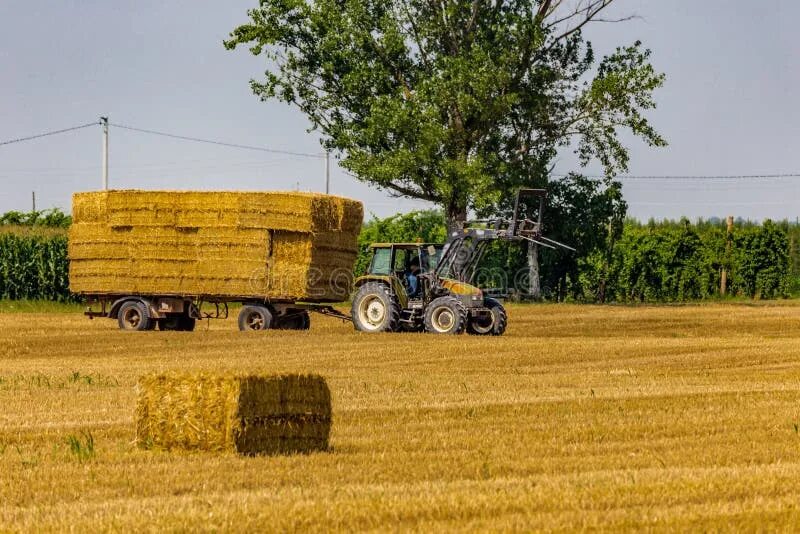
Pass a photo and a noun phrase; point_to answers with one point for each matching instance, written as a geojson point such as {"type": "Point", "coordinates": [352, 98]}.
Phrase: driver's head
{"type": "Point", "coordinates": [414, 265]}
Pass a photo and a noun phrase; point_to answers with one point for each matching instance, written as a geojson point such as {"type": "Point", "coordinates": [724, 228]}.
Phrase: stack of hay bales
{"type": "Point", "coordinates": [274, 245]}
{"type": "Point", "coordinates": [239, 413]}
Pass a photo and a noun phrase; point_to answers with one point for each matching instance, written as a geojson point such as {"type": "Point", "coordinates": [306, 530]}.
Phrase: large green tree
{"type": "Point", "coordinates": [453, 101]}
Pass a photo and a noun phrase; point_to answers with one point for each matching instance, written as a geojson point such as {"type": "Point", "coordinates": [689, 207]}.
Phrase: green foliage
{"type": "Point", "coordinates": [456, 102]}
{"type": "Point", "coordinates": [761, 261]}
{"type": "Point", "coordinates": [793, 233]}
{"type": "Point", "coordinates": [680, 261]}
{"type": "Point", "coordinates": [34, 265]}
{"type": "Point", "coordinates": [52, 218]}
{"type": "Point", "coordinates": [82, 447]}
{"type": "Point", "coordinates": [587, 215]}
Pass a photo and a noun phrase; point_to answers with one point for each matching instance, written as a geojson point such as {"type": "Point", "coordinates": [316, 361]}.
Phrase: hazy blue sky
{"type": "Point", "coordinates": [729, 105]}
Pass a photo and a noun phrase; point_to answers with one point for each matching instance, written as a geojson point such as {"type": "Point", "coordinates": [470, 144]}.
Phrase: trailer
{"type": "Point", "coordinates": [165, 259]}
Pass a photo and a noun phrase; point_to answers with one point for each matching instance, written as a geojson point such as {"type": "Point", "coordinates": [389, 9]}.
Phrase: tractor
{"type": "Point", "coordinates": [429, 287]}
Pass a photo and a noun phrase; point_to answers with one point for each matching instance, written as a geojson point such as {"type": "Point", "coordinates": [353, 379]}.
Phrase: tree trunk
{"type": "Point", "coordinates": [455, 220]}
{"type": "Point", "coordinates": [534, 287]}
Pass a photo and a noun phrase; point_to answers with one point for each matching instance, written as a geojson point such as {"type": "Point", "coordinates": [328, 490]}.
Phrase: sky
{"type": "Point", "coordinates": [728, 106]}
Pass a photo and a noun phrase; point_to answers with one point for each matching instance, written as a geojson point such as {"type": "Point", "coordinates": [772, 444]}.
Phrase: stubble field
{"type": "Point", "coordinates": [579, 417]}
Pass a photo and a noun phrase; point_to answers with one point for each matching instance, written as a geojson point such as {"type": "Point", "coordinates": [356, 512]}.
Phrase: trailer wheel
{"type": "Point", "coordinates": [133, 315]}
{"type": "Point", "coordinates": [180, 323]}
{"type": "Point", "coordinates": [254, 317]}
{"type": "Point", "coordinates": [375, 309]}
{"type": "Point", "coordinates": [187, 323]}
{"type": "Point", "coordinates": [493, 324]}
{"type": "Point", "coordinates": [299, 320]}
{"type": "Point", "coordinates": [445, 315]}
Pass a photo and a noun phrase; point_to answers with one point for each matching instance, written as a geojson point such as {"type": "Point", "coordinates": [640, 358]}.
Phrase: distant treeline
{"type": "Point", "coordinates": [52, 218]}
{"type": "Point", "coordinates": [672, 261]}
{"type": "Point", "coordinates": [658, 261]}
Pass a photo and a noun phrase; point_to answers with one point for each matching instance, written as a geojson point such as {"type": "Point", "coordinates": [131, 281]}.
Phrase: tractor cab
{"type": "Point", "coordinates": [404, 262]}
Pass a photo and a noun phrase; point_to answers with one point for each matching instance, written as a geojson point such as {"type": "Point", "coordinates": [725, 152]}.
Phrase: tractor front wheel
{"type": "Point", "coordinates": [490, 324]}
{"type": "Point", "coordinates": [375, 309]}
{"type": "Point", "coordinates": [445, 315]}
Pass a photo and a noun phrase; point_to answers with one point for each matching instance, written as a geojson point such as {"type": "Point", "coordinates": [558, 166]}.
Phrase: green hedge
{"type": "Point", "coordinates": [674, 262]}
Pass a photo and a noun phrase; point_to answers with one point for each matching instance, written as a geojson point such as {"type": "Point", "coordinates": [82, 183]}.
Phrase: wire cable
{"type": "Point", "coordinates": [215, 142]}
{"type": "Point", "coordinates": [45, 134]}
{"type": "Point", "coordinates": [689, 177]}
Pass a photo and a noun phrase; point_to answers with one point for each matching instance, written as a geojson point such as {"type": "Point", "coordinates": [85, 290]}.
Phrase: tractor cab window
{"type": "Point", "coordinates": [429, 257]}
{"type": "Point", "coordinates": [381, 261]}
{"type": "Point", "coordinates": [404, 257]}
{"type": "Point", "coordinates": [401, 259]}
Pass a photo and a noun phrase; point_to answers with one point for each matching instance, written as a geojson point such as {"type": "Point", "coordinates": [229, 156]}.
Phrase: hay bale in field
{"type": "Point", "coordinates": [272, 245]}
{"type": "Point", "coordinates": [247, 414]}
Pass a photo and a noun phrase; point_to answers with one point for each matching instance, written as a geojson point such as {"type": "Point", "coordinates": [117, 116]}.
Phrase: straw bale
{"type": "Point", "coordinates": [286, 246]}
{"type": "Point", "coordinates": [90, 207]}
{"type": "Point", "coordinates": [352, 216]}
{"type": "Point", "coordinates": [247, 414]}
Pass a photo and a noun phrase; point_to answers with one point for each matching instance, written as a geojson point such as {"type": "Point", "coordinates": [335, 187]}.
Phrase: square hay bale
{"type": "Point", "coordinates": [90, 207]}
{"type": "Point", "coordinates": [280, 245]}
{"type": "Point", "coordinates": [246, 414]}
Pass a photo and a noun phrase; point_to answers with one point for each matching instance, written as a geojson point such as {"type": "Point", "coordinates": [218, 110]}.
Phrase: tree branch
{"type": "Point", "coordinates": [588, 12]}
{"type": "Point", "coordinates": [406, 191]}
{"type": "Point", "coordinates": [417, 40]}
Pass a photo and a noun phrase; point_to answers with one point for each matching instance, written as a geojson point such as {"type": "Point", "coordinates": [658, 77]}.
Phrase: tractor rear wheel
{"type": "Point", "coordinates": [491, 324]}
{"type": "Point", "coordinates": [445, 315]}
{"type": "Point", "coordinates": [375, 309]}
{"type": "Point", "coordinates": [254, 317]}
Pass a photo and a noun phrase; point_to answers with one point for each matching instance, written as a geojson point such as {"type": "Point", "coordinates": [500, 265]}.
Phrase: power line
{"type": "Point", "coordinates": [322, 156]}
{"type": "Point", "coordinates": [712, 177]}
{"type": "Point", "coordinates": [220, 143]}
{"type": "Point", "coordinates": [694, 177]}
{"type": "Point", "coordinates": [45, 134]}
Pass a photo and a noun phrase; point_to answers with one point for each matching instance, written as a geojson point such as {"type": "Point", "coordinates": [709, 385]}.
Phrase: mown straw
{"type": "Point", "coordinates": [246, 414]}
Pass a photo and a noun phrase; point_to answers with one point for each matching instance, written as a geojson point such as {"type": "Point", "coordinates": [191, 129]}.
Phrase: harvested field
{"type": "Point", "coordinates": [579, 417]}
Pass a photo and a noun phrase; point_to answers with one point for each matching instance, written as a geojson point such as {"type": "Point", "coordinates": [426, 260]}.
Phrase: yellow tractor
{"type": "Point", "coordinates": [425, 286]}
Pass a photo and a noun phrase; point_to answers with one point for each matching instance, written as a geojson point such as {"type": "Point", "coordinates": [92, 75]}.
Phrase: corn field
{"type": "Point", "coordinates": [33, 264]}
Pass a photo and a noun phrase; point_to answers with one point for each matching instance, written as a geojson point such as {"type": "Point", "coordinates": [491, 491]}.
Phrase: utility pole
{"type": "Point", "coordinates": [327, 172]}
{"type": "Point", "coordinates": [723, 279]}
{"type": "Point", "coordinates": [104, 122]}
{"type": "Point", "coordinates": [33, 201]}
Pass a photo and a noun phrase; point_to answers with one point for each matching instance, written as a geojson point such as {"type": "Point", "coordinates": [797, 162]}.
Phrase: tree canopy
{"type": "Point", "coordinates": [455, 101]}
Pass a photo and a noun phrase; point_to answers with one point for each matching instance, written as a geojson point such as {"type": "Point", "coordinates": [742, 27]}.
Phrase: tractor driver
{"type": "Point", "coordinates": [411, 277]}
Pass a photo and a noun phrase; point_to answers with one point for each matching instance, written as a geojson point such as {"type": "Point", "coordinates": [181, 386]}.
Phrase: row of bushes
{"type": "Point", "coordinates": [668, 261]}
{"type": "Point", "coordinates": [51, 218]}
